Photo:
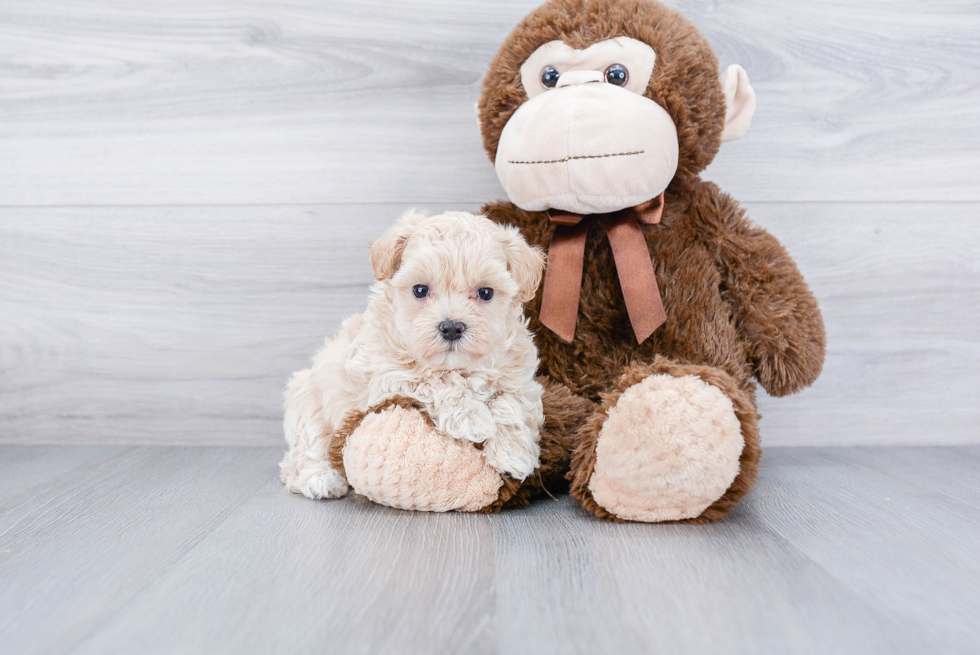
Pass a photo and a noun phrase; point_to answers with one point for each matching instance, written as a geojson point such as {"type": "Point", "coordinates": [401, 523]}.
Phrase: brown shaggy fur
{"type": "Point", "coordinates": [736, 304]}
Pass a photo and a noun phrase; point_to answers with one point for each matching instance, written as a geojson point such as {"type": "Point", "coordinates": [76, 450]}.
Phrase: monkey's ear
{"type": "Point", "coordinates": [739, 102]}
{"type": "Point", "coordinates": [386, 252]}
{"type": "Point", "coordinates": [526, 264]}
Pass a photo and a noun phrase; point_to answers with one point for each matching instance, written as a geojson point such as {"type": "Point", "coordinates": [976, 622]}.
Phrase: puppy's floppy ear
{"type": "Point", "coordinates": [386, 252]}
{"type": "Point", "coordinates": [526, 264]}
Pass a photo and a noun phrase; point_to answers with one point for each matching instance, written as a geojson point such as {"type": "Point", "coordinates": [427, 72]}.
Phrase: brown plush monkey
{"type": "Point", "coordinates": [661, 301]}
{"type": "Point", "coordinates": [596, 108]}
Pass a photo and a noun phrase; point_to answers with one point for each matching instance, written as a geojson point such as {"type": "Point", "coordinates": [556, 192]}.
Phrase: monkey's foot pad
{"type": "Point", "coordinates": [669, 449]}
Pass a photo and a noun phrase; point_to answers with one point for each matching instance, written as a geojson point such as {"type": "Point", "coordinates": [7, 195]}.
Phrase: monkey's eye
{"type": "Point", "coordinates": [420, 290]}
{"type": "Point", "coordinates": [617, 74]}
{"type": "Point", "coordinates": [485, 293]}
{"type": "Point", "coordinates": [549, 77]}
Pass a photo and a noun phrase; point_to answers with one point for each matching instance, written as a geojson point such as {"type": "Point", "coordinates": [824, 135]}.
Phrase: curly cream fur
{"type": "Point", "coordinates": [479, 389]}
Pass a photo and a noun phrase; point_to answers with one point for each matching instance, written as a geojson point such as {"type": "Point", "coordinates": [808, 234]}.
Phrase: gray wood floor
{"type": "Point", "coordinates": [119, 549]}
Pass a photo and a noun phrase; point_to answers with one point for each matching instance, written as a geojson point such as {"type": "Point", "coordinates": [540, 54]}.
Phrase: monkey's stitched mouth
{"type": "Point", "coordinates": [564, 159]}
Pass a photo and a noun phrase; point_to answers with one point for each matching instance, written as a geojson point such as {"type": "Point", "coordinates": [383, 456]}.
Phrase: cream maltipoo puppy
{"type": "Point", "coordinates": [444, 326]}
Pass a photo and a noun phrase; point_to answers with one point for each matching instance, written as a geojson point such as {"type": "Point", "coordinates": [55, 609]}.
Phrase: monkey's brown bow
{"type": "Point", "coordinates": [566, 257]}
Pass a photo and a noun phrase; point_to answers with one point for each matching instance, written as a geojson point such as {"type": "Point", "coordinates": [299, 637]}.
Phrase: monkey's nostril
{"type": "Point", "coordinates": [451, 330]}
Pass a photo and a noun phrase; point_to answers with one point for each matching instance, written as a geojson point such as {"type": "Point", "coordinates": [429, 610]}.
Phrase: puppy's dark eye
{"type": "Point", "coordinates": [549, 77]}
{"type": "Point", "coordinates": [617, 74]}
{"type": "Point", "coordinates": [420, 290]}
{"type": "Point", "coordinates": [485, 293]}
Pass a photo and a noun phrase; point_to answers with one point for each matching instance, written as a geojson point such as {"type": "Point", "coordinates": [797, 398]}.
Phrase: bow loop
{"type": "Point", "coordinates": [559, 217]}
{"type": "Point", "coordinates": [651, 211]}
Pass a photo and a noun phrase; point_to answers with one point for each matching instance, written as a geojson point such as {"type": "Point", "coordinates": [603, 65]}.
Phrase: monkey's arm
{"type": "Point", "coordinates": [773, 308]}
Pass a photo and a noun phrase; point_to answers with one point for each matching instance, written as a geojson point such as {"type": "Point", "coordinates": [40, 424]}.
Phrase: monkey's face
{"type": "Point", "coordinates": [587, 140]}
{"type": "Point", "coordinates": [591, 107]}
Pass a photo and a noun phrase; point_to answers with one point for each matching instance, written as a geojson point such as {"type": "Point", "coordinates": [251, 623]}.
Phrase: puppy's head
{"type": "Point", "coordinates": [456, 283]}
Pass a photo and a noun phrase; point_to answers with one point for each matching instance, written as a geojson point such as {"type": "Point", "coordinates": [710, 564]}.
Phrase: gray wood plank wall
{"type": "Point", "coordinates": [186, 191]}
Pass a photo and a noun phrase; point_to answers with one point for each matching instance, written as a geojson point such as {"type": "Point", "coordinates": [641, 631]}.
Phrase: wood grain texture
{"type": "Point", "coordinates": [181, 325]}
{"type": "Point", "coordinates": [194, 550]}
{"type": "Point", "coordinates": [79, 545]}
{"type": "Point", "coordinates": [904, 522]}
{"type": "Point", "coordinates": [899, 288]}
{"type": "Point", "coordinates": [236, 102]}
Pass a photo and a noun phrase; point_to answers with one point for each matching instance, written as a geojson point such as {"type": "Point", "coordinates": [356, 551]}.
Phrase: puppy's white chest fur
{"type": "Point", "coordinates": [486, 405]}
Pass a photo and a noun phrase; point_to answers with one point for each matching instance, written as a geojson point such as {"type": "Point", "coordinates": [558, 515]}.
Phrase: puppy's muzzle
{"type": "Point", "coordinates": [451, 330]}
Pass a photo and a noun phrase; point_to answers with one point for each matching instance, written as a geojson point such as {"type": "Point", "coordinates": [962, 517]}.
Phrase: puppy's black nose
{"type": "Point", "coordinates": [451, 330]}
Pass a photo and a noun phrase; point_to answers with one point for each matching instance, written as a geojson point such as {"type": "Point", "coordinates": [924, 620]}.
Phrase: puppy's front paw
{"type": "Point", "coordinates": [468, 422]}
{"type": "Point", "coordinates": [517, 458]}
{"type": "Point", "coordinates": [327, 484]}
